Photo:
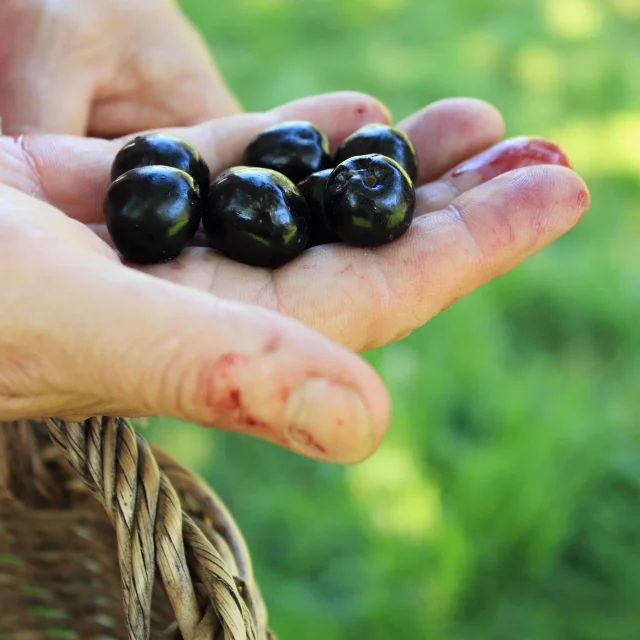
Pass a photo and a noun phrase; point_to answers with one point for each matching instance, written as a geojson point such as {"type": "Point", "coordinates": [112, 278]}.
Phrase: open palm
{"type": "Point", "coordinates": [477, 217]}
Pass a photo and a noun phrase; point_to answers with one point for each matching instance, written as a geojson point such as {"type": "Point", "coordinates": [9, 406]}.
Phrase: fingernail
{"type": "Point", "coordinates": [328, 420]}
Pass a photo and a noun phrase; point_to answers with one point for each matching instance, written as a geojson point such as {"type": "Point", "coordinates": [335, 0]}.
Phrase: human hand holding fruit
{"type": "Point", "coordinates": [104, 67]}
{"type": "Point", "coordinates": [87, 335]}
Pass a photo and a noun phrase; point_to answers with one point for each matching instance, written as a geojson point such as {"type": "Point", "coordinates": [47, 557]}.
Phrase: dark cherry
{"type": "Point", "coordinates": [256, 216]}
{"type": "Point", "coordinates": [164, 150]}
{"type": "Point", "coordinates": [369, 200]}
{"type": "Point", "coordinates": [152, 213]}
{"type": "Point", "coordinates": [312, 190]}
{"type": "Point", "coordinates": [385, 140]}
{"type": "Point", "coordinates": [295, 149]}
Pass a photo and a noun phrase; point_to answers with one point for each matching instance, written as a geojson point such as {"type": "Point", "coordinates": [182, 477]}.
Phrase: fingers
{"type": "Point", "coordinates": [505, 156]}
{"type": "Point", "coordinates": [367, 298]}
{"type": "Point", "coordinates": [449, 131]}
{"type": "Point", "coordinates": [371, 298]}
{"type": "Point", "coordinates": [489, 230]}
{"type": "Point", "coordinates": [73, 173]}
{"type": "Point", "coordinates": [338, 114]}
{"type": "Point", "coordinates": [80, 335]}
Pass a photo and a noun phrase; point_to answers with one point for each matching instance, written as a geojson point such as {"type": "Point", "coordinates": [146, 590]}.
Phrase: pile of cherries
{"type": "Point", "coordinates": [288, 195]}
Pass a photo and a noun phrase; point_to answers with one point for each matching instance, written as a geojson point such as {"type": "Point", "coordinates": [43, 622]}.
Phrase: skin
{"type": "Point", "coordinates": [104, 67]}
{"type": "Point", "coordinates": [198, 339]}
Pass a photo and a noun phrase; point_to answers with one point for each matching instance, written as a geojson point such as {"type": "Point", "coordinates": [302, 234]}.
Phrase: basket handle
{"type": "Point", "coordinates": [154, 534]}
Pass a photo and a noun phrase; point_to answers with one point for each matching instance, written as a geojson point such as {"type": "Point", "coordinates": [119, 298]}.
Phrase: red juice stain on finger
{"type": "Point", "coordinates": [218, 393]}
{"type": "Point", "coordinates": [305, 438]}
{"type": "Point", "coordinates": [224, 401]}
{"type": "Point", "coordinates": [214, 388]}
{"type": "Point", "coordinates": [234, 399]}
{"type": "Point", "coordinates": [252, 422]}
{"type": "Point", "coordinates": [513, 154]}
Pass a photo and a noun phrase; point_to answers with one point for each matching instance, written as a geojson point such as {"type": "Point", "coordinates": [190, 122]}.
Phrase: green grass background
{"type": "Point", "coordinates": [506, 501]}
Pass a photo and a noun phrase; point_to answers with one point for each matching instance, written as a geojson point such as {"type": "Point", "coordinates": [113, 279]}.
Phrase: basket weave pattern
{"type": "Point", "coordinates": [103, 537]}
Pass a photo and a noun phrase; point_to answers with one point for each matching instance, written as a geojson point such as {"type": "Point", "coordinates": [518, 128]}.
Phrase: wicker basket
{"type": "Point", "coordinates": [104, 538]}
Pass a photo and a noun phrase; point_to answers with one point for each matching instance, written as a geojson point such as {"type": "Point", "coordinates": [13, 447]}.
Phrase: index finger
{"type": "Point", "coordinates": [72, 173]}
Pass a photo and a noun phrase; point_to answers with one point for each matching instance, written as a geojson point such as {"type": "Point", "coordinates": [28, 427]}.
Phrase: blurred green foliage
{"type": "Point", "coordinates": [505, 502]}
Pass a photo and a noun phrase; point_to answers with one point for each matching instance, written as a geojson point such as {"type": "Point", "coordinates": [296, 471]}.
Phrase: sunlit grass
{"type": "Point", "coordinates": [627, 8]}
{"type": "Point", "coordinates": [400, 502]}
{"type": "Point", "coordinates": [538, 68]}
{"type": "Point", "coordinates": [574, 19]}
{"type": "Point", "coordinates": [605, 146]}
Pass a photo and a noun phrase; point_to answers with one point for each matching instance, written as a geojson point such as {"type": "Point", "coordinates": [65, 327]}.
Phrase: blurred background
{"type": "Point", "coordinates": [505, 502]}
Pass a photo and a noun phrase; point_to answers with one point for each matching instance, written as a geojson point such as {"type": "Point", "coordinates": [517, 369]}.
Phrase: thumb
{"type": "Point", "coordinates": [81, 335]}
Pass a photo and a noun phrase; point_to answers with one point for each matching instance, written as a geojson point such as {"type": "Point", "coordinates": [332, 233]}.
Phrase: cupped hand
{"type": "Point", "coordinates": [107, 67]}
{"type": "Point", "coordinates": [180, 339]}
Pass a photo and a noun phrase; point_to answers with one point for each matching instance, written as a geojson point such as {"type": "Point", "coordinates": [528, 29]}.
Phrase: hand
{"type": "Point", "coordinates": [110, 339]}
{"type": "Point", "coordinates": [107, 67]}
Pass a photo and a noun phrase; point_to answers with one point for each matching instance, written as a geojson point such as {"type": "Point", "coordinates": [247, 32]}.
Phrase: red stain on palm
{"type": "Point", "coordinates": [513, 154]}
{"type": "Point", "coordinates": [285, 392]}
{"type": "Point", "coordinates": [307, 439]}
